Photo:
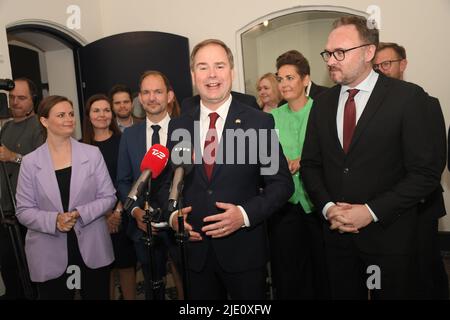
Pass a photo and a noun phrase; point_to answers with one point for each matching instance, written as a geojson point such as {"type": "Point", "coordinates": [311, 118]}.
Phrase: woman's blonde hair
{"type": "Point", "coordinates": [273, 81]}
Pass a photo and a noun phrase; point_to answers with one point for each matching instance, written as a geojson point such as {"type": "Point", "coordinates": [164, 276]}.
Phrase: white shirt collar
{"type": "Point", "coordinates": [366, 85]}
{"type": "Point", "coordinates": [164, 123]}
{"type": "Point", "coordinates": [222, 110]}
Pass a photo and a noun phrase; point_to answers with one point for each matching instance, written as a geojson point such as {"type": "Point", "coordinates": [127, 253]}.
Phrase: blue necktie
{"type": "Point", "coordinates": [155, 135]}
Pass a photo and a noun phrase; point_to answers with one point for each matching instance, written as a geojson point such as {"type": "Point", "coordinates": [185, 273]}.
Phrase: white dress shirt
{"type": "Point", "coordinates": [220, 123]}
{"type": "Point", "coordinates": [164, 124]}
{"type": "Point", "coordinates": [365, 90]}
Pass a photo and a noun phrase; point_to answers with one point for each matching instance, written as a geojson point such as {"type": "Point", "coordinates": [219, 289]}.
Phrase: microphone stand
{"type": "Point", "coordinates": [149, 240]}
{"type": "Point", "coordinates": [182, 238]}
{"type": "Point", "coordinates": [16, 241]}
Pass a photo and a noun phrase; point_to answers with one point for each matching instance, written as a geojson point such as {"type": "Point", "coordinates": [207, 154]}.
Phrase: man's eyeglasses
{"type": "Point", "coordinates": [339, 54]}
{"type": "Point", "coordinates": [385, 65]}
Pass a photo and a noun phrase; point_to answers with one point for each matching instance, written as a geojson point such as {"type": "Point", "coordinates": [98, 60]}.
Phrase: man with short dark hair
{"type": "Point", "coordinates": [18, 137]}
{"type": "Point", "coordinates": [121, 102]}
{"type": "Point", "coordinates": [391, 60]}
{"type": "Point", "coordinates": [367, 162]}
{"type": "Point", "coordinates": [155, 95]}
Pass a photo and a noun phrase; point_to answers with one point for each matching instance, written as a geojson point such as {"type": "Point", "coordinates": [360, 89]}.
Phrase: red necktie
{"type": "Point", "coordinates": [349, 118]}
{"type": "Point", "coordinates": [209, 152]}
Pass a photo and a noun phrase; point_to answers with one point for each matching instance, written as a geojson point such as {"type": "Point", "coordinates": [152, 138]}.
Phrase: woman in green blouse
{"type": "Point", "coordinates": [295, 230]}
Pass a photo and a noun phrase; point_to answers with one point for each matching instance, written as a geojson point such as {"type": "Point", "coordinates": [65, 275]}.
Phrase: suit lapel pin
{"type": "Point", "coordinates": [237, 121]}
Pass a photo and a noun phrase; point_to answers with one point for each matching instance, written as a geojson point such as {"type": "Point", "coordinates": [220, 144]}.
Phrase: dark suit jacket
{"type": "Point", "coordinates": [189, 104]}
{"type": "Point", "coordinates": [132, 149]}
{"type": "Point", "coordinates": [433, 206]}
{"type": "Point", "coordinates": [239, 184]}
{"type": "Point", "coordinates": [390, 164]}
{"type": "Point", "coordinates": [316, 90]}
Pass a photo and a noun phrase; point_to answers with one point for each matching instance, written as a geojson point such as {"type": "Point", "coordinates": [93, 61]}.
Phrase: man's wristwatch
{"type": "Point", "coordinates": [18, 158]}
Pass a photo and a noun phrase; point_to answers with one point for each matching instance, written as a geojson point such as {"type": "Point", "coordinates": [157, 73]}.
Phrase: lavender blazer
{"type": "Point", "coordinates": [38, 203]}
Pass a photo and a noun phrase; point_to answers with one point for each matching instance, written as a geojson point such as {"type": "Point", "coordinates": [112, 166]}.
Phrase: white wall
{"type": "Point", "coordinates": [61, 77]}
{"type": "Point", "coordinates": [306, 37]}
{"type": "Point", "coordinates": [252, 70]}
{"type": "Point", "coordinates": [421, 27]}
{"type": "Point", "coordinates": [13, 12]}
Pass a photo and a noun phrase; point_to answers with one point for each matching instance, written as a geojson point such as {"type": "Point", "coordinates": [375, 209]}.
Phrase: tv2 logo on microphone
{"type": "Point", "coordinates": [158, 154]}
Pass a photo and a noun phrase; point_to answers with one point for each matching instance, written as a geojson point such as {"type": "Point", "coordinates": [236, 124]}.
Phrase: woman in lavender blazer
{"type": "Point", "coordinates": [63, 192]}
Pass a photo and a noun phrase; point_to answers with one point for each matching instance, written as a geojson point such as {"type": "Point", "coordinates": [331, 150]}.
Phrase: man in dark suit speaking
{"type": "Point", "coordinates": [367, 162]}
{"type": "Point", "coordinates": [225, 209]}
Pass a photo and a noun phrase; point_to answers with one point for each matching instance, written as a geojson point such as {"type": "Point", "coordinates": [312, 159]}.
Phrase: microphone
{"type": "Point", "coordinates": [152, 165]}
{"type": "Point", "coordinates": [7, 84]}
{"type": "Point", "coordinates": [183, 165]}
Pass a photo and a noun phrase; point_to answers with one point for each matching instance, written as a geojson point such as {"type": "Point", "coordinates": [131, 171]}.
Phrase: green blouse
{"type": "Point", "coordinates": [291, 127]}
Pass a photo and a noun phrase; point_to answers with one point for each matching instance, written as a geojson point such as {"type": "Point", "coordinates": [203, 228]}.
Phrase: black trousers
{"type": "Point", "coordinates": [94, 286]}
{"type": "Point", "coordinates": [433, 279]}
{"type": "Point", "coordinates": [213, 283]}
{"type": "Point", "coordinates": [94, 282]}
{"type": "Point", "coordinates": [321, 286]}
{"type": "Point", "coordinates": [290, 254]}
{"type": "Point", "coordinates": [350, 275]}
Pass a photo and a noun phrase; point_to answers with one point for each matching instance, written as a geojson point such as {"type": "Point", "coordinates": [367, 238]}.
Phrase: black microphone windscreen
{"type": "Point", "coordinates": [7, 84]}
{"type": "Point", "coordinates": [182, 155]}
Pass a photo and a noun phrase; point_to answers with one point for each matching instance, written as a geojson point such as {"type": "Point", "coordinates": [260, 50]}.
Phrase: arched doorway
{"type": "Point", "coordinates": [46, 53]}
{"type": "Point", "coordinates": [304, 28]}
{"type": "Point", "coordinates": [71, 67]}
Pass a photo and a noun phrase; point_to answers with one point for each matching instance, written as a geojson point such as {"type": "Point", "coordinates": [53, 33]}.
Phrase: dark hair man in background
{"type": "Point", "coordinates": [122, 106]}
{"type": "Point", "coordinates": [390, 60]}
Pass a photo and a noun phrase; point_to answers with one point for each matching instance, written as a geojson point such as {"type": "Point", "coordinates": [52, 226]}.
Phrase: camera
{"type": "Point", "coordinates": [6, 84]}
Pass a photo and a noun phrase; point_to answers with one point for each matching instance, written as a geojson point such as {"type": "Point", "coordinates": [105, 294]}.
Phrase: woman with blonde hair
{"type": "Point", "coordinates": [269, 95]}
